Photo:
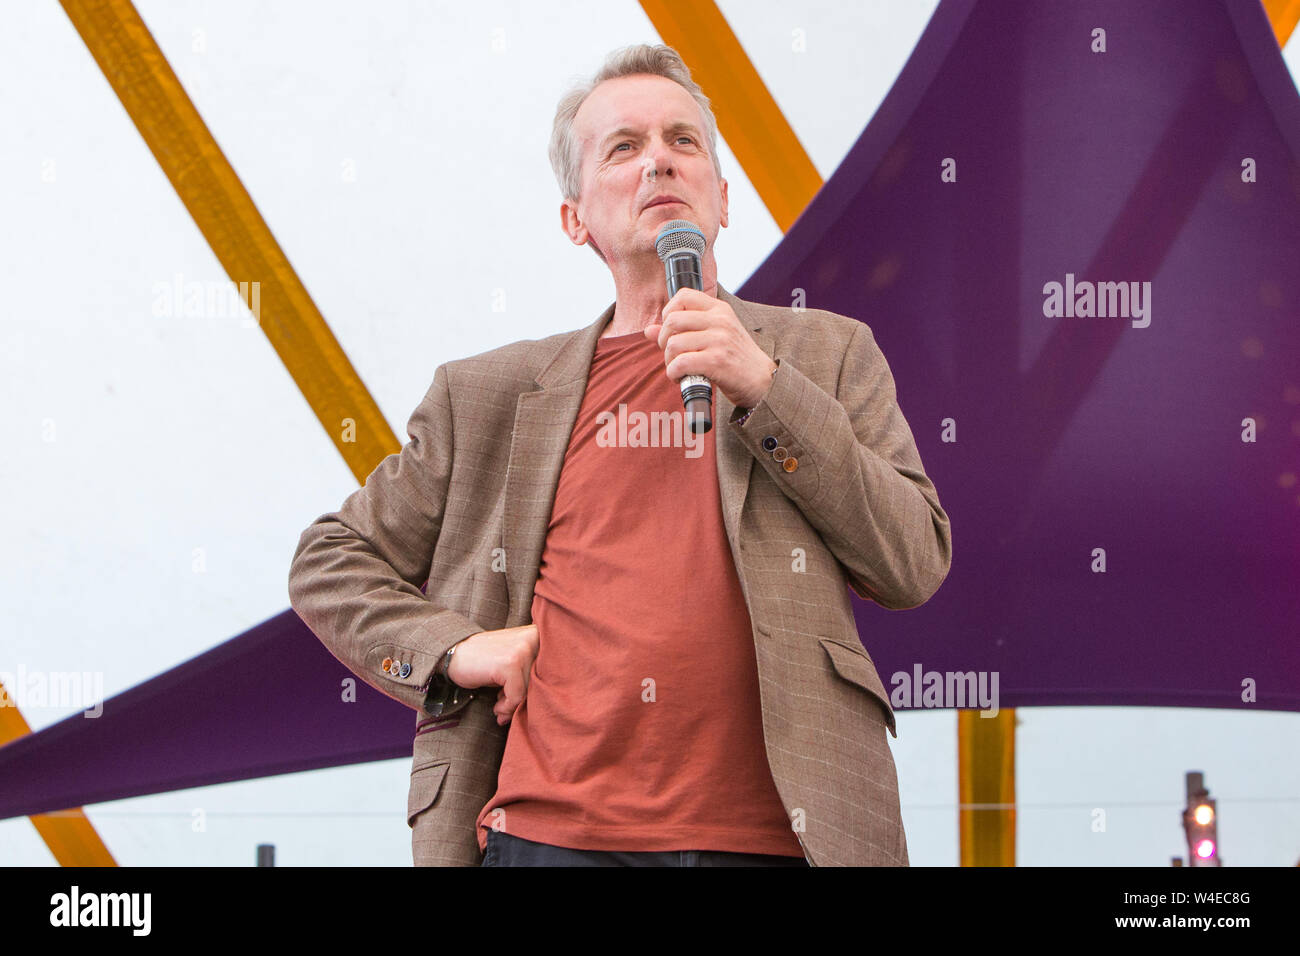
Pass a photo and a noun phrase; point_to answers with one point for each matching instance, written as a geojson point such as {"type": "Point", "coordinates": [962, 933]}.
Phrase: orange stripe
{"type": "Point", "coordinates": [153, 97]}
{"type": "Point", "coordinates": [748, 118]}
{"type": "Point", "coordinates": [68, 833]}
{"type": "Point", "coordinates": [986, 771]}
{"type": "Point", "coordinates": [224, 212]}
{"type": "Point", "coordinates": [1282, 17]}
{"type": "Point", "coordinates": [72, 839]}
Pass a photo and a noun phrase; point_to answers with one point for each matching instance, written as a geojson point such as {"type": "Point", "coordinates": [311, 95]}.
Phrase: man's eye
{"type": "Point", "coordinates": [685, 137]}
{"type": "Point", "coordinates": [620, 146]}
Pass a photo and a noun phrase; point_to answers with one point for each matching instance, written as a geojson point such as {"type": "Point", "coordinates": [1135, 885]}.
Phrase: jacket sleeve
{"type": "Point", "coordinates": [858, 478]}
{"type": "Point", "coordinates": [355, 577]}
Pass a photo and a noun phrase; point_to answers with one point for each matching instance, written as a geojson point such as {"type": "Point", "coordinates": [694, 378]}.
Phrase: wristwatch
{"type": "Point", "coordinates": [444, 663]}
{"type": "Point", "coordinates": [444, 697]}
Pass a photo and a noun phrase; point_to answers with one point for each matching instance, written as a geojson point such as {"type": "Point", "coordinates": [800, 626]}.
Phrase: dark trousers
{"type": "Point", "coordinates": [504, 849]}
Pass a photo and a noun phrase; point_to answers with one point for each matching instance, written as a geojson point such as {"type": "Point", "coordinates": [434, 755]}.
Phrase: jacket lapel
{"type": "Point", "coordinates": [735, 461]}
{"type": "Point", "coordinates": [544, 420]}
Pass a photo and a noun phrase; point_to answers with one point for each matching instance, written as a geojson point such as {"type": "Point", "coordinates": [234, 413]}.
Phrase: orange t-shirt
{"type": "Point", "coordinates": [641, 729]}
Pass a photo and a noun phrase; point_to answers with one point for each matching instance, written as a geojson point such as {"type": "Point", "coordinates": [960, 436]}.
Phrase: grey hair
{"type": "Point", "coordinates": [565, 152]}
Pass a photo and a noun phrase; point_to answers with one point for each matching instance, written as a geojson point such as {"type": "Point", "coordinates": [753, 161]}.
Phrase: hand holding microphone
{"type": "Point", "coordinates": [703, 333]}
{"type": "Point", "coordinates": [680, 245]}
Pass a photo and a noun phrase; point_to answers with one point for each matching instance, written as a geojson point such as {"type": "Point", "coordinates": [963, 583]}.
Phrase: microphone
{"type": "Point", "coordinates": [680, 244]}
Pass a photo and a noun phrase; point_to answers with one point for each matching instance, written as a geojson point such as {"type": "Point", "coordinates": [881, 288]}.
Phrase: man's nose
{"type": "Point", "coordinates": [658, 162]}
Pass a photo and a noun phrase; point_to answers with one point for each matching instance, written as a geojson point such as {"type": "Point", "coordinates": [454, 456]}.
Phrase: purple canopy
{"type": "Point", "coordinates": [1073, 431]}
{"type": "Point", "coordinates": [225, 715]}
{"type": "Point", "coordinates": [1082, 432]}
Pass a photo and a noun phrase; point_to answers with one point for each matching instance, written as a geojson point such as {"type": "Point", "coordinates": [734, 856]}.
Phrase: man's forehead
{"type": "Point", "coordinates": [616, 106]}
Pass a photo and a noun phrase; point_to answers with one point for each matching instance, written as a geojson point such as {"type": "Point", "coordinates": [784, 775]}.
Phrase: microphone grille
{"type": "Point", "coordinates": [676, 235]}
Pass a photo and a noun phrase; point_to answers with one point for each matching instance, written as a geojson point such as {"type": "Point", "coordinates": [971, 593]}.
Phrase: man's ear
{"type": "Point", "coordinates": [571, 224]}
{"type": "Point", "coordinates": [723, 221]}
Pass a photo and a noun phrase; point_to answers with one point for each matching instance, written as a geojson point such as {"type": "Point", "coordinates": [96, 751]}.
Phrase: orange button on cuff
{"type": "Point", "coordinates": [790, 464]}
{"type": "Point", "coordinates": [388, 663]}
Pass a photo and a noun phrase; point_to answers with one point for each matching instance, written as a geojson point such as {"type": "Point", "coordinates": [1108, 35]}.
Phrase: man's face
{"type": "Point", "coordinates": [626, 127]}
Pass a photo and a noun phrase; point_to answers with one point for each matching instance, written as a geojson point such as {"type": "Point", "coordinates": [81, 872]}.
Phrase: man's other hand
{"type": "Point", "coordinates": [502, 658]}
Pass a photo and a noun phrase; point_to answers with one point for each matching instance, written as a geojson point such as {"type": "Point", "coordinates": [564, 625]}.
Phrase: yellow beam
{"type": "Point", "coordinates": [748, 117]}
{"type": "Point", "coordinates": [224, 212]}
{"type": "Point", "coordinates": [1282, 17]}
{"type": "Point", "coordinates": [206, 183]}
{"type": "Point", "coordinates": [986, 771]}
{"type": "Point", "coordinates": [69, 833]}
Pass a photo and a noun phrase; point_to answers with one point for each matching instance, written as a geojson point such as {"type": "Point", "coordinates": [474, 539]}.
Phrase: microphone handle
{"type": "Point", "coordinates": [697, 397]}
{"type": "Point", "coordinates": [683, 272]}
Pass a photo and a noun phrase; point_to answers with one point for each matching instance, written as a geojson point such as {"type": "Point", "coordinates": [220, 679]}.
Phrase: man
{"type": "Point", "coordinates": [664, 616]}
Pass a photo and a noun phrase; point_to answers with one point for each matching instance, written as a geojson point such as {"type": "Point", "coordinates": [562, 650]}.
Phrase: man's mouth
{"type": "Point", "coordinates": [662, 201]}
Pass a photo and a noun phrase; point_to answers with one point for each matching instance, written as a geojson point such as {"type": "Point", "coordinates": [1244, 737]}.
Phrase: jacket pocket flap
{"type": "Point", "coordinates": [426, 784]}
{"type": "Point", "coordinates": [857, 668]}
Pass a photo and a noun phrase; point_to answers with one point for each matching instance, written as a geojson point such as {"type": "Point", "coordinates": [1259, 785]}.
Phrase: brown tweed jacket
{"type": "Point", "coordinates": [466, 503]}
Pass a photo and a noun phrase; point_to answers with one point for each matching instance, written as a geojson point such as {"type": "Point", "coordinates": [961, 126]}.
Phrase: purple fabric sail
{"type": "Point", "coordinates": [1073, 431]}
{"type": "Point", "coordinates": [1076, 432]}
{"type": "Point", "coordinates": [269, 701]}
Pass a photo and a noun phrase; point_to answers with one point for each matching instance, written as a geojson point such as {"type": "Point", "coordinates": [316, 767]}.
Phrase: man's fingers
{"type": "Point", "coordinates": [685, 297]}
{"type": "Point", "coordinates": [684, 342]}
{"type": "Point", "coordinates": [684, 321]}
{"type": "Point", "coordinates": [514, 688]}
{"type": "Point", "coordinates": [512, 694]}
